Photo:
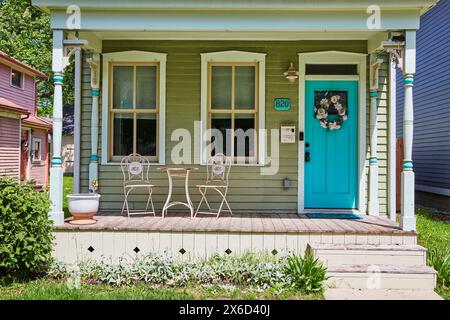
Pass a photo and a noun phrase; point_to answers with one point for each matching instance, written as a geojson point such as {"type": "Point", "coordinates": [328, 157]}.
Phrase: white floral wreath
{"type": "Point", "coordinates": [321, 113]}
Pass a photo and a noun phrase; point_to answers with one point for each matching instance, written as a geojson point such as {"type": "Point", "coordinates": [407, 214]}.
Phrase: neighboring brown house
{"type": "Point", "coordinates": [24, 136]}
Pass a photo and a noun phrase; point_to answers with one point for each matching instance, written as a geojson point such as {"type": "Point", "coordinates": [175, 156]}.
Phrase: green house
{"type": "Point", "coordinates": [310, 84]}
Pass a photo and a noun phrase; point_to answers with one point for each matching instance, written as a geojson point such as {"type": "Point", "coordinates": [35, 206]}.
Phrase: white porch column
{"type": "Point", "coordinates": [408, 219]}
{"type": "Point", "coordinates": [374, 206]}
{"type": "Point", "coordinates": [56, 173]}
{"type": "Point", "coordinates": [94, 63]}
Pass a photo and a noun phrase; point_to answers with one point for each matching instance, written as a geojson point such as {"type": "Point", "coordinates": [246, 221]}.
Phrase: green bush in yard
{"type": "Point", "coordinates": [25, 230]}
{"type": "Point", "coordinates": [440, 261]}
{"type": "Point", "coordinates": [307, 273]}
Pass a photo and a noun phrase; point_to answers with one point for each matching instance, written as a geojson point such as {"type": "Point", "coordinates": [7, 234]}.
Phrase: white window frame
{"type": "Point", "coordinates": [33, 142]}
{"type": "Point", "coordinates": [229, 57]}
{"type": "Point", "coordinates": [134, 56]}
{"type": "Point", "coordinates": [22, 79]}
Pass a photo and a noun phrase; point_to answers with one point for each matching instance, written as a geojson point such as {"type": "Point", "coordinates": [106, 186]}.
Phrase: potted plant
{"type": "Point", "coordinates": [84, 206]}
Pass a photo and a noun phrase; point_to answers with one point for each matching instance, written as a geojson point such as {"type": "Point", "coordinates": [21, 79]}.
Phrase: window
{"type": "Point", "coordinates": [36, 150]}
{"type": "Point", "coordinates": [233, 108]}
{"type": "Point", "coordinates": [134, 110]}
{"type": "Point", "coordinates": [233, 105]}
{"type": "Point", "coordinates": [16, 78]}
{"type": "Point", "coordinates": [331, 69]}
{"type": "Point", "coordinates": [133, 105]}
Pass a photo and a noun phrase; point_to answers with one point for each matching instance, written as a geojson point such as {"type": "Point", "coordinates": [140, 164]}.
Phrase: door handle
{"type": "Point", "coordinates": [307, 156]}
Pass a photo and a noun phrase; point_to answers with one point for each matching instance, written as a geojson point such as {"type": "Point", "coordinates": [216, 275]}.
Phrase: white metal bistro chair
{"type": "Point", "coordinates": [135, 170]}
{"type": "Point", "coordinates": [217, 172]}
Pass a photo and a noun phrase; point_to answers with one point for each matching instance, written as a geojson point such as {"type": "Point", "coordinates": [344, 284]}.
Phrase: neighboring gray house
{"type": "Point", "coordinates": [431, 148]}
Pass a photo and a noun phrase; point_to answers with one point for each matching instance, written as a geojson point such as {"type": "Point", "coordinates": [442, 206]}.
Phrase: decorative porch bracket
{"type": "Point", "coordinates": [94, 64]}
{"type": "Point", "coordinates": [62, 50]}
{"type": "Point", "coordinates": [374, 206]}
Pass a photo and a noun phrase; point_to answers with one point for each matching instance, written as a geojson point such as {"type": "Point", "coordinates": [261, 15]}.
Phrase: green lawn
{"type": "Point", "coordinates": [45, 289]}
{"type": "Point", "coordinates": [434, 234]}
{"type": "Point", "coordinates": [67, 189]}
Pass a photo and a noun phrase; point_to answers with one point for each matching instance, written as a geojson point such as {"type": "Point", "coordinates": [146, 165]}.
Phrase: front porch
{"type": "Point", "coordinates": [116, 236]}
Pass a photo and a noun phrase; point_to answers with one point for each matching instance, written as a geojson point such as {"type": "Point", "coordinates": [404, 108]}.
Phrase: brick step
{"type": "Point", "coordinates": [381, 277]}
{"type": "Point", "coordinates": [355, 254]}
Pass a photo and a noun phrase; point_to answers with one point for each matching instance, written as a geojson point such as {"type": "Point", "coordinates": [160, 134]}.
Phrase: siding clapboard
{"type": "Point", "coordinates": [25, 96]}
{"type": "Point", "coordinates": [9, 147]}
{"type": "Point", "coordinates": [249, 190]}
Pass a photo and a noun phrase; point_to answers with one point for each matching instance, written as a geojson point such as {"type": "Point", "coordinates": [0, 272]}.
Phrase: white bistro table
{"type": "Point", "coordinates": [178, 172]}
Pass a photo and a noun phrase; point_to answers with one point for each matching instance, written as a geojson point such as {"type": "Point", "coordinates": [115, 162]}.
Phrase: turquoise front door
{"type": "Point", "coordinates": [331, 167]}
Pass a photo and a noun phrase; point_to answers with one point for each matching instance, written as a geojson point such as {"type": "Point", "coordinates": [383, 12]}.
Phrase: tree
{"type": "Point", "coordinates": [25, 34]}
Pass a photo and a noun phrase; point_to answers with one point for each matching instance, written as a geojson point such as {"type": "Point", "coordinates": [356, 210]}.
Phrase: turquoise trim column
{"type": "Point", "coordinates": [373, 205]}
{"type": "Point", "coordinates": [94, 63]}
{"type": "Point", "coordinates": [56, 213]}
{"type": "Point", "coordinates": [408, 219]}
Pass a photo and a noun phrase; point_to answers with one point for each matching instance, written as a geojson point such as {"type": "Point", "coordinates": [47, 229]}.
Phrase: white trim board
{"type": "Point", "coordinates": [334, 57]}
{"type": "Point", "coordinates": [234, 56]}
{"type": "Point", "coordinates": [435, 190]}
{"type": "Point", "coordinates": [134, 56]}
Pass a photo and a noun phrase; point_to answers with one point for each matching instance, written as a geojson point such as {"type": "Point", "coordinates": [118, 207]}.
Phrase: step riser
{"type": "Point", "coordinates": [384, 281]}
{"type": "Point", "coordinates": [399, 258]}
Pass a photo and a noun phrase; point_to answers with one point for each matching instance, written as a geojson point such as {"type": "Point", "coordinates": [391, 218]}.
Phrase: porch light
{"type": "Point", "coordinates": [291, 74]}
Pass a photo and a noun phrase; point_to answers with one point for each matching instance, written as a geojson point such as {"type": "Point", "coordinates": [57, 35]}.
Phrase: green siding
{"type": "Point", "coordinates": [249, 191]}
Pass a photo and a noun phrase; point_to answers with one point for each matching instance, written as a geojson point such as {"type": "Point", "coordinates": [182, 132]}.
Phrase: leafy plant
{"type": "Point", "coordinates": [25, 230]}
{"type": "Point", "coordinates": [440, 261]}
{"type": "Point", "coordinates": [250, 270]}
{"type": "Point", "coordinates": [307, 273]}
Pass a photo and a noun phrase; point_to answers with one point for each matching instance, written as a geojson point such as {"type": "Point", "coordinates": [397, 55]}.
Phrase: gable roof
{"type": "Point", "coordinates": [11, 61]}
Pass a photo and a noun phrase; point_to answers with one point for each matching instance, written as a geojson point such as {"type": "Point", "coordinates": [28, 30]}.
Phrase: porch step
{"type": "Point", "coordinates": [359, 294]}
{"type": "Point", "coordinates": [369, 276]}
{"type": "Point", "coordinates": [333, 255]}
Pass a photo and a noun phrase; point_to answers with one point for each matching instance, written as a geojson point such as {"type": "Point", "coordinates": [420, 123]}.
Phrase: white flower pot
{"type": "Point", "coordinates": [83, 207]}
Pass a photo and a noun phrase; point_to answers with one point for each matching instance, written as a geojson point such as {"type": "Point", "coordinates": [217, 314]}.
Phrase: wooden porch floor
{"type": "Point", "coordinates": [243, 223]}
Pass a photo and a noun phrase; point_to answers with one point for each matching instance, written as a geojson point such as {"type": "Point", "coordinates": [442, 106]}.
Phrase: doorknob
{"type": "Point", "coordinates": [307, 156]}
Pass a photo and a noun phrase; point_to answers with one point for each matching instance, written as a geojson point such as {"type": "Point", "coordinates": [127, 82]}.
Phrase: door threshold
{"type": "Point", "coordinates": [318, 210]}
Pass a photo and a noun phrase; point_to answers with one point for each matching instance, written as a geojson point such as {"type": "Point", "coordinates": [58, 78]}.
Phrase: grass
{"type": "Point", "coordinates": [434, 234]}
{"type": "Point", "coordinates": [45, 289]}
{"type": "Point", "coordinates": [67, 189]}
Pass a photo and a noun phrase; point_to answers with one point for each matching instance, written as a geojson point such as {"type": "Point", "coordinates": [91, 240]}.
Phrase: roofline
{"type": "Point", "coordinates": [48, 5]}
{"type": "Point", "coordinates": [13, 109]}
{"type": "Point", "coordinates": [20, 64]}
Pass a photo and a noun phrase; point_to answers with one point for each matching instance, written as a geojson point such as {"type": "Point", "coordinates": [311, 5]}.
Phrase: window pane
{"type": "Point", "coordinates": [221, 122]}
{"type": "Point", "coordinates": [123, 87]}
{"type": "Point", "coordinates": [245, 87]}
{"type": "Point", "coordinates": [146, 134]}
{"type": "Point", "coordinates": [123, 134]}
{"type": "Point", "coordinates": [325, 69]}
{"type": "Point", "coordinates": [221, 87]}
{"type": "Point", "coordinates": [146, 87]}
{"type": "Point", "coordinates": [244, 135]}
{"type": "Point", "coordinates": [16, 78]}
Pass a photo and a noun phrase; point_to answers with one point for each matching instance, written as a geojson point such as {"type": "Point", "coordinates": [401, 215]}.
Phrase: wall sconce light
{"type": "Point", "coordinates": [286, 183]}
{"type": "Point", "coordinates": [291, 74]}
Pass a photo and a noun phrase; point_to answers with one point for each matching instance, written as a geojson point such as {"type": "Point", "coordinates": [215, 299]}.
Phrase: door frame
{"type": "Point", "coordinates": [334, 57]}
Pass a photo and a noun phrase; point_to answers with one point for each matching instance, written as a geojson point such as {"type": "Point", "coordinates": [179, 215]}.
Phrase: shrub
{"type": "Point", "coordinates": [440, 261]}
{"type": "Point", "coordinates": [307, 273]}
{"type": "Point", "coordinates": [249, 270]}
{"type": "Point", "coordinates": [25, 230]}
{"type": "Point", "coordinates": [255, 271]}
